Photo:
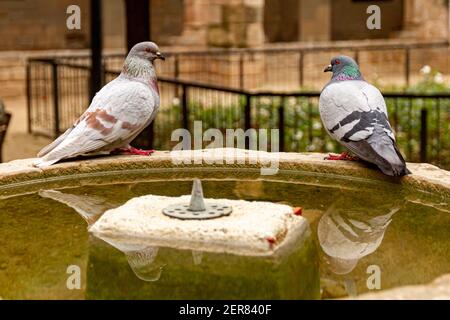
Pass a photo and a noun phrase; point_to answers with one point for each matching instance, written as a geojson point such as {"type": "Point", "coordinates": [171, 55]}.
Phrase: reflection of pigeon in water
{"type": "Point", "coordinates": [197, 256]}
{"type": "Point", "coordinates": [354, 113]}
{"type": "Point", "coordinates": [117, 114]}
{"type": "Point", "coordinates": [142, 263]}
{"type": "Point", "coordinates": [347, 236]}
{"type": "Point", "coordinates": [90, 208]}
{"type": "Point", "coordinates": [141, 258]}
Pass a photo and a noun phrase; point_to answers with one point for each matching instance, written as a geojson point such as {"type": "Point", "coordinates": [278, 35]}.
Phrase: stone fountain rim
{"type": "Point", "coordinates": [425, 177]}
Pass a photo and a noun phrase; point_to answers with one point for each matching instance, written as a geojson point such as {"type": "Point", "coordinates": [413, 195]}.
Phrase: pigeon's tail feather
{"type": "Point", "coordinates": [73, 147]}
{"type": "Point", "coordinates": [397, 170]}
{"type": "Point", "coordinates": [54, 144]}
{"type": "Point", "coordinates": [54, 152]}
{"type": "Point", "coordinates": [43, 162]}
{"type": "Point", "coordinates": [62, 151]}
{"type": "Point", "coordinates": [381, 152]}
{"type": "Point", "coordinates": [401, 169]}
{"type": "Point", "coordinates": [390, 160]}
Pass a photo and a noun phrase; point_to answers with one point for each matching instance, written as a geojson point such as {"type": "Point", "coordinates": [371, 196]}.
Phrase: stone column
{"type": "Point", "coordinates": [315, 20]}
{"type": "Point", "coordinates": [254, 14]}
{"type": "Point", "coordinates": [223, 23]}
{"type": "Point", "coordinates": [425, 19]}
{"type": "Point", "coordinates": [195, 23]}
{"type": "Point", "coordinates": [410, 19]}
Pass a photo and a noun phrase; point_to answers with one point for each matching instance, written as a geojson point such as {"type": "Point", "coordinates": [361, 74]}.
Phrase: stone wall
{"type": "Point", "coordinates": [426, 19]}
{"type": "Point", "coordinates": [166, 18]}
{"type": "Point", "coordinates": [41, 24]}
{"type": "Point", "coordinates": [222, 23]}
{"type": "Point", "coordinates": [12, 77]}
{"type": "Point", "coordinates": [37, 24]}
{"type": "Point", "coordinates": [198, 24]}
{"type": "Point", "coordinates": [315, 17]}
{"type": "Point", "coordinates": [272, 71]}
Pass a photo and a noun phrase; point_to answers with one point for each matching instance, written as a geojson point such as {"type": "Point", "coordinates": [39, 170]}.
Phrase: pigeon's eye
{"type": "Point", "coordinates": [148, 50]}
{"type": "Point", "coordinates": [337, 61]}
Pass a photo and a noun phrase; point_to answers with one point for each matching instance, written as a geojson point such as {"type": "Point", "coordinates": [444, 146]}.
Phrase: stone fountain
{"type": "Point", "coordinates": [248, 236]}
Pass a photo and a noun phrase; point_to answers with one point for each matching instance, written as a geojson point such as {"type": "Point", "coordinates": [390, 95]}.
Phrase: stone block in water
{"type": "Point", "coordinates": [261, 251]}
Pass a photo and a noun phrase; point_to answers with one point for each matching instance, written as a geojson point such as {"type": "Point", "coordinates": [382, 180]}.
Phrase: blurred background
{"type": "Point", "coordinates": [232, 64]}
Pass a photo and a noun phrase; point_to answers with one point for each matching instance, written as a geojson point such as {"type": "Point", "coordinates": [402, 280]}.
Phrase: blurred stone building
{"type": "Point", "coordinates": [38, 27]}
{"type": "Point", "coordinates": [290, 41]}
{"type": "Point", "coordinates": [41, 24]}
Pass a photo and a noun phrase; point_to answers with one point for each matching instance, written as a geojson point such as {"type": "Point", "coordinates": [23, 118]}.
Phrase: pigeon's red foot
{"type": "Point", "coordinates": [343, 156]}
{"type": "Point", "coordinates": [133, 151]}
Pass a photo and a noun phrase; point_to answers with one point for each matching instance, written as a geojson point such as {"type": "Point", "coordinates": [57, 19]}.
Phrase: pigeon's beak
{"type": "Point", "coordinates": [329, 68]}
{"type": "Point", "coordinates": [159, 55]}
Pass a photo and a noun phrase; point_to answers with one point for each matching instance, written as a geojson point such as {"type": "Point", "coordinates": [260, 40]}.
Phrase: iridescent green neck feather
{"type": "Point", "coordinates": [348, 72]}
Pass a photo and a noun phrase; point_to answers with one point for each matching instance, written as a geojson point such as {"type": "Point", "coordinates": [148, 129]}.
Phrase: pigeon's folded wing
{"type": "Point", "coordinates": [350, 111]}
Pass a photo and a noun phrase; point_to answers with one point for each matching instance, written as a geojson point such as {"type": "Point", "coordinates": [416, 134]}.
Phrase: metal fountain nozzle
{"type": "Point", "coordinates": [197, 209]}
{"type": "Point", "coordinates": [197, 203]}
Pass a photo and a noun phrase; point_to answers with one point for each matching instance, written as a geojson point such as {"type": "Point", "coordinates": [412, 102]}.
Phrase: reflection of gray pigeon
{"type": "Point", "coordinates": [117, 114]}
{"type": "Point", "coordinates": [354, 113]}
{"type": "Point", "coordinates": [346, 236]}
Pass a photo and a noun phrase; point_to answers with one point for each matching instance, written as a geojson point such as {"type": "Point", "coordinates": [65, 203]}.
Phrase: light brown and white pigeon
{"type": "Point", "coordinates": [354, 113]}
{"type": "Point", "coordinates": [117, 114]}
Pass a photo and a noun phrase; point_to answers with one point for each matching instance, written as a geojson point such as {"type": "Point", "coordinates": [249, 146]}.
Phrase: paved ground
{"type": "Point", "coordinates": [19, 144]}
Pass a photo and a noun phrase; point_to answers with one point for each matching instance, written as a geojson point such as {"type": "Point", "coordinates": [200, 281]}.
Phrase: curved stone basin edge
{"type": "Point", "coordinates": [425, 177]}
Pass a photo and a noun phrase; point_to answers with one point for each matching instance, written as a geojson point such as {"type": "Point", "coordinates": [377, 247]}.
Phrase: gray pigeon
{"type": "Point", "coordinates": [118, 112]}
{"type": "Point", "coordinates": [354, 113]}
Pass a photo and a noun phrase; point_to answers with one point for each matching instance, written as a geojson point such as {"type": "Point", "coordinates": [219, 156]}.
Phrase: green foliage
{"type": "Point", "coordinates": [432, 82]}
{"type": "Point", "coordinates": [303, 130]}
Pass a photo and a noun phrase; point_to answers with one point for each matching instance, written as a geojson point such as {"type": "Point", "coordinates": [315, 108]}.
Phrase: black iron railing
{"type": "Point", "coordinates": [58, 94]}
{"type": "Point", "coordinates": [293, 67]}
